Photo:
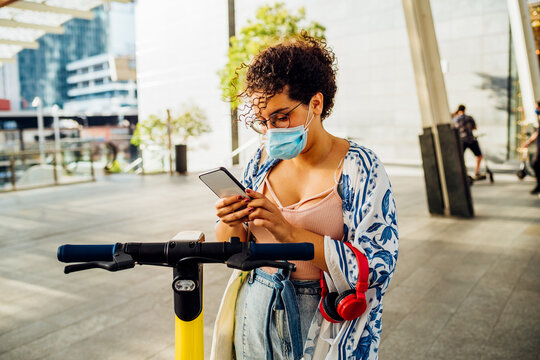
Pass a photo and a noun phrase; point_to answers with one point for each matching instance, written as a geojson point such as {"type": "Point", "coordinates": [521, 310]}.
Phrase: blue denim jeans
{"type": "Point", "coordinates": [273, 315]}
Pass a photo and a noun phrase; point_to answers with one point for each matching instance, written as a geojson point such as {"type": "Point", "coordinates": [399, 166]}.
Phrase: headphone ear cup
{"type": "Point", "coordinates": [328, 308]}
{"type": "Point", "coordinates": [349, 305]}
{"type": "Point", "coordinates": [344, 295]}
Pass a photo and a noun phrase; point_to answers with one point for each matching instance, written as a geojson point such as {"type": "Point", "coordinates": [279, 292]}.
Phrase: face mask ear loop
{"type": "Point", "coordinates": [308, 121]}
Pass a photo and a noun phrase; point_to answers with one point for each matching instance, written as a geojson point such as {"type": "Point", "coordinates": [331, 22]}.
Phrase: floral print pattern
{"type": "Point", "coordinates": [370, 225]}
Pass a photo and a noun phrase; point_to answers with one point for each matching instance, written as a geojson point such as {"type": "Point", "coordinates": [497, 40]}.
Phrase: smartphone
{"type": "Point", "coordinates": [223, 183]}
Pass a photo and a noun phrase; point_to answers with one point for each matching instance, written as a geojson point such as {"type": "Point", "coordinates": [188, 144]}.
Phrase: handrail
{"type": "Point", "coordinates": [133, 164]}
{"type": "Point", "coordinates": [23, 156]}
{"type": "Point", "coordinates": [243, 147]}
{"type": "Point", "coordinates": [37, 152]}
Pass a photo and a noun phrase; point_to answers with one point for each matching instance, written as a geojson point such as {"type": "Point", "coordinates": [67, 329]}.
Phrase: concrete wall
{"type": "Point", "coordinates": [474, 40]}
{"type": "Point", "coordinates": [180, 47]}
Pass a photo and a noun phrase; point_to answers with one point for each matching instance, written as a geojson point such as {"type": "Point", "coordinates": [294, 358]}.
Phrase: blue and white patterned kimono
{"type": "Point", "coordinates": [370, 225]}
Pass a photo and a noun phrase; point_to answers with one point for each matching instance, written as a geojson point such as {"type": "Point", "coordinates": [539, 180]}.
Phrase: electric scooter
{"type": "Point", "coordinates": [488, 174]}
{"type": "Point", "coordinates": [525, 165]}
{"type": "Point", "coordinates": [185, 253]}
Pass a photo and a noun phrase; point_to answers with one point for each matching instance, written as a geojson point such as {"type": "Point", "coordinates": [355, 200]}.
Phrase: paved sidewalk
{"type": "Point", "coordinates": [463, 289]}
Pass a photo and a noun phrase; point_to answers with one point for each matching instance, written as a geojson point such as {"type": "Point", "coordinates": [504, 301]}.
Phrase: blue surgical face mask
{"type": "Point", "coordinates": [287, 143]}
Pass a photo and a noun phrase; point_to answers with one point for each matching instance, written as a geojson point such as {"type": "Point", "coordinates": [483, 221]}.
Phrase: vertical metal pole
{"type": "Point", "coordinates": [62, 159]}
{"type": "Point", "coordinates": [39, 104]}
{"type": "Point", "coordinates": [56, 125]}
{"type": "Point", "coordinates": [170, 141]}
{"type": "Point", "coordinates": [234, 112]}
{"type": "Point", "coordinates": [92, 172]}
{"type": "Point", "coordinates": [55, 174]}
{"type": "Point", "coordinates": [12, 169]}
{"type": "Point", "coordinates": [21, 139]}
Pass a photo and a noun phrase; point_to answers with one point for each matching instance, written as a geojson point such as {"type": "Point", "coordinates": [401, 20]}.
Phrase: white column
{"type": "Point", "coordinates": [428, 75]}
{"type": "Point", "coordinates": [526, 58]}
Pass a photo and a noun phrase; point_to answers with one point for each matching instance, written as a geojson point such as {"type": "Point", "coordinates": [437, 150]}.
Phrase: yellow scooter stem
{"type": "Point", "coordinates": [189, 339]}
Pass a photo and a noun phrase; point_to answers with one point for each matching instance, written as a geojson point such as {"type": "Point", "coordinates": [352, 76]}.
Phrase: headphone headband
{"type": "Point", "coordinates": [350, 304]}
{"type": "Point", "coordinates": [362, 283]}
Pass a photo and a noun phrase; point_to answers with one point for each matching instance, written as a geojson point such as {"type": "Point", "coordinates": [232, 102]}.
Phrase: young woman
{"type": "Point", "coordinates": [306, 185]}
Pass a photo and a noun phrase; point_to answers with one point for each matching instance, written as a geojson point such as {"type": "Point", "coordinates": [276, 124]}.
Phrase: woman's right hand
{"type": "Point", "coordinates": [232, 210]}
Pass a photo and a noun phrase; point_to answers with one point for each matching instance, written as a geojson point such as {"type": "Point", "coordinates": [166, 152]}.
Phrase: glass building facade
{"type": "Point", "coordinates": [42, 72]}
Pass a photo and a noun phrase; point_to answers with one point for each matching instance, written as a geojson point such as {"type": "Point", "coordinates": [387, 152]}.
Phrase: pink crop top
{"type": "Point", "coordinates": [325, 217]}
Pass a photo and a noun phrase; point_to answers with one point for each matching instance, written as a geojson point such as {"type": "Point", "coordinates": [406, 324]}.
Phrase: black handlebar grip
{"type": "Point", "coordinates": [286, 251]}
{"type": "Point", "coordinates": [81, 253]}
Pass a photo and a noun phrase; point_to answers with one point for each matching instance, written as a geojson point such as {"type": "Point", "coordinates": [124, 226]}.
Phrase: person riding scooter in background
{"type": "Point", "coordinates": [466, 124]}
{"type": "Point", "coordinates": [536, 160]}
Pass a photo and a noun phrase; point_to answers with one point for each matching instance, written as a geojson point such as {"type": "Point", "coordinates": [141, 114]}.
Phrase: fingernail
{"type": "Point", "coordinates": [247, 200]}
{"type": "Point", "coordinates": [251, 209]}
{"type": "Point", "coordinates": [240, 197]}
{"type": "Point", "coordinates": [248, 191]}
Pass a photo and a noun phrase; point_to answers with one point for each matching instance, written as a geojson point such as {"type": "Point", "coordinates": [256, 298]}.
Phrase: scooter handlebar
{"type": "Point", "coordinates": [288, 251]}
{"type": "Point", "coordinates": [170, 253]}
{"type": "Point", "coordinates": [83, 253]}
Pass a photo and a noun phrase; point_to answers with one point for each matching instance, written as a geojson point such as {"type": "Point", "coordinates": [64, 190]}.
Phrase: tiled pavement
{"type": "Point", "coordinates": [463, 289]}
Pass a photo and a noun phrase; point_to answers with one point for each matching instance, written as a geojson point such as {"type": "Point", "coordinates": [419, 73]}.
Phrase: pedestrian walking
{"type": "Point", "coordinates": [536, 160]}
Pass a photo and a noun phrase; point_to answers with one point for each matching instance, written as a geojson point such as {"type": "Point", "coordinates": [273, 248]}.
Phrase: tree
{"type": "Point", "coordinates": [191, 122]}
{"type": "Point", "coordinates": [272, 23]}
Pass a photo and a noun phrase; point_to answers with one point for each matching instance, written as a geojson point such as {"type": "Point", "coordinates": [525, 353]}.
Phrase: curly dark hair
{"type": "Point", "coordinates": [304, 65]}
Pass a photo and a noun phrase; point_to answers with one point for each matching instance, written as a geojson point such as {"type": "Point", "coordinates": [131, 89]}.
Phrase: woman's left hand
{"type": "Point", "coordinates": [266, 214]}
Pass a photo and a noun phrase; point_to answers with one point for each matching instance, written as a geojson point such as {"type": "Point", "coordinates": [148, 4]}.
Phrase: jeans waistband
{"type": "Point", "coordinates": [301, 287]}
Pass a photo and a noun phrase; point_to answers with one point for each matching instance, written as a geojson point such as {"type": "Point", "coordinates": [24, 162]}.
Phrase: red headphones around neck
{"type": "Point", "coordinates": [352, 303]}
